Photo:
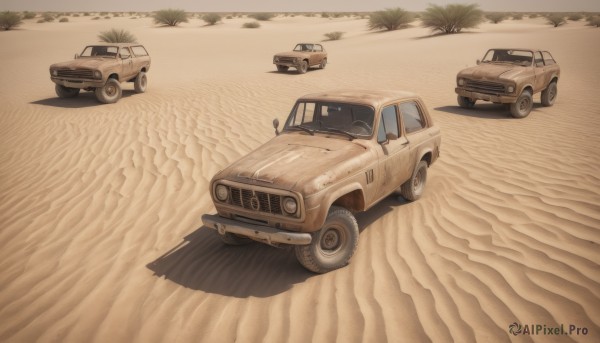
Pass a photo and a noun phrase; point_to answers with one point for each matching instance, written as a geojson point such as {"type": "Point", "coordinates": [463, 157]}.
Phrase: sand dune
{"type": "Point", "coordinates": [100, 205]}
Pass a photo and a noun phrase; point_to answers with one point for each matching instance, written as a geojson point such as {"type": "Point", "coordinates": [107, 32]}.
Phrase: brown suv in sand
{"type": "Point", "coordinates": [339, 152]}
{"type": "Point", "coordinates": [304, 56]}
{"type": "Point", "coordinates": [510, 76]}
{"type": "Point", "coordinates": [101, 68]}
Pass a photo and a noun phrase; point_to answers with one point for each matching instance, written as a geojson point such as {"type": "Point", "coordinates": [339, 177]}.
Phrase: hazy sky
{"type": "Point", "coordinates": [290, 6]}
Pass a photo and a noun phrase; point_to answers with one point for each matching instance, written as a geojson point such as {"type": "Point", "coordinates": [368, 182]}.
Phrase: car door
{"type": "Point", "coordinates": [319, 54]}
{"type": "Point", "coordinates": [415, 127]}
{"type": "Point", "coordinates": [393, 153]}
{"type": "Point", "coordinates": [552, 68]}
{"type": "Point", "coordinates": [127, 62]}
{"type": "Point", "coordinates": [541, 75]}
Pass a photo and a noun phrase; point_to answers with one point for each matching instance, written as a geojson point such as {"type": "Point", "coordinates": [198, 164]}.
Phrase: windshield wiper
{"type": "Point", "coordinates": [333, 129]}
{"type": "Point", "coordinates": [302, 127]}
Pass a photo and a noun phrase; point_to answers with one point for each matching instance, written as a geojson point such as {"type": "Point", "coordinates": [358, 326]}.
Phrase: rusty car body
{"type": "Point", "coordinates": [304, 56]}
{"type": "Point", "coordinates": [340, 152]}
{"type": "Point", "coordinates": [510, 76]}
{"type": "Point", "coordinates": [101, 68]}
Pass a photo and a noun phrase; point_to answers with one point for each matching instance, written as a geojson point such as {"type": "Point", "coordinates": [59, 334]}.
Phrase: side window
{"type": "Point", "coordinates": [548, 58]}
{"type": "Point", "coordinates": [304, 114]}
{"type": "Point", "coordinates": [539, 61]}
{"type": "Point", "coordinates": [412, 117]}
{"type": "Point", "coordinates": [139, 50]}
{"type": "Point", "coordinates": [125, 53]}
{"type": "Point", "coordinates": [318, 48]}
{"type": "Point", "coordinates": [388, 123]}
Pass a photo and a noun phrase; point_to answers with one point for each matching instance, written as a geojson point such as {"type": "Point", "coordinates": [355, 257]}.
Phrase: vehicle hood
{"type": "Point", "coordinates": [299, 162]}
{"type": "Point", "coordinates": [492, 72]}
{"type": "Point", "coordinates": [86, 63]}
{"type": "Point", "coordinates": [292, 54]}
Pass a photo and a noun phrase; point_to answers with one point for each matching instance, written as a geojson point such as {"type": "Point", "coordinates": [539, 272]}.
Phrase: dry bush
{"type": "Point", "coordinates": [594, 21]}
{"type": "Point", "coordinates": [261, 16]}
{"type": "Point", "coordinates": [337, 35]}
{"type": "Point", "coordinates": [251, 25]}
{"type": "Point", "coordinates": [170, 17]}
{"type": "Point", "coordinates": [556, 19]}
{"type": "Point", "coordinates": [47, 17]}
{"type": "Point", "coordinates": [211, 18]}
{"type": "Point", "coordinates": [575, 17]}
{"type": "Point", "coordinates": [495, 17]}
{"type": "Point", "coordinates": [9, 20]}
{"type": "Point", "coordinates": [517, 16]}
{"type": "Point", "coordinates": [452, 18]}
{"type": "Point", "coordinates": [63, 20]}
{"type": "Point", "coordinates": [28, 15]}
{"type": "Point", "coordinates": [390, 19]}
{"type": "Point", "coordinates": [117, 36]}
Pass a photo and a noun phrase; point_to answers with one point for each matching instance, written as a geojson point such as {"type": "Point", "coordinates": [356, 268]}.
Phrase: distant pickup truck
{"type": "Point", "coordinates": [101, 68]}
{"type": "Point", "coordinates": [304, 56]}
{"type": "Point", "coordinates": [510, 76]}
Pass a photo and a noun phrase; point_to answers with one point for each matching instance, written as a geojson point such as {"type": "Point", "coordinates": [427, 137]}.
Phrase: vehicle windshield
{"type": "Point", "coordinates": [520, 57]}
{"type": "Point", "coordinates": [354, 121]}
{"type": "Point", "coordinates": [303, 47]}
{"type": "Point", "coordinates": [100, 51]}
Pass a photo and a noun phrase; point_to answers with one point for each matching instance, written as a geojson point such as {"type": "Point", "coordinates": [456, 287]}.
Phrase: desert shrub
{"type": "Point", "coordinates": [324, 15]}
{"type": "Point", "coordinates": [495, 17]}
{"type": "Point", "coordinates": [133, 18]}
{"type": "Point", "coordinates": [86, 14]}
{"type": "Point", "coordinates": [517, 16]}
{"type": "Point", "coordinates": [117, 36]}
{"type": "Point", "coordinates": [28, 15]}
{"type": "Point", "coordinates": [95, 18]}
{"type": "Point", "coordinates": [116, 14]}
{"type": "Point", "coordinates": [452, 18]}
{"type": "Point", "coordinates": [48, 17]}
{"type": "Point", "coordinates": [76, 15]}
{"type": "Point", "coordinates": [211, 18]}
{"type": "Point", "coordinates": [556, 19]}
{"type": "Point", "coordinates": [107, 17]}
{"type": "Point", "coordinates": [594, 21]}
{"type": "Point", "coordinates": [575, 17]}
{"type": "Point", "coordinates": [261, 16]}
{"type": "Point", "coordinates": [533, 15]}
{"type": "Point", "coordinates": [389, 19]}
{"type": "Point", "coordinates": [41, 21]}
{"type": "Point", "coordinates": [103, 13]}
{"type": "Point", "coordinates": [9, 20]}
{"type": "Point", "coordinates": [251, 25]}
{"type": "Point", "coordinates": [229, 17]}
{"type": "Point", "coordinates": [416, 15]}
{"type": "Point", "coordinates": [170, 17]}
{"type": "Point", "coordinates": [337, 35]}
{"type": "Point", "coordinates": [63, 20]}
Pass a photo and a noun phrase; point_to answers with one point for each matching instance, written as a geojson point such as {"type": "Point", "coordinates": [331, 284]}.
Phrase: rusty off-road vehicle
{"type": "Point", "coordinates": [510, 76]}
{"type": "Point", "coordinates": [304, 56]}
{"type": "Point", "coordinates": [339, 152]}
{"type": "Point", "coordinates": [101, 68]}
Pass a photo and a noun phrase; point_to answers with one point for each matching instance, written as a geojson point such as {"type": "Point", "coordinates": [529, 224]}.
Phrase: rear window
{"type": "Point", "coordinates": [139, 50]}
{"type": "Point", "coordinates": [548, 58]}
{"type": "Point", "coordinates": [412, 117]}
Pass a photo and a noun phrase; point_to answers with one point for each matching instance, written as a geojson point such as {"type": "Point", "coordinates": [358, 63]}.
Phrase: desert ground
{"type": "Point", "coordinates": [100, 231]}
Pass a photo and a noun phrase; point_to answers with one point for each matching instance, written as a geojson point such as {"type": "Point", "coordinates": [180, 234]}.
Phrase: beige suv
{"type": "Point", "coordinates": [339, 153]}
{"type": "Point", "coordinates": [512, 77]}
{"type": "Point", "coordinates": [101, 68]}
{"type": "Point", "coordinates": [304, 56]}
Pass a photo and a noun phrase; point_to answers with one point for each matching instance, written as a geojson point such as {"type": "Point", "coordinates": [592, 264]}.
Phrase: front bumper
{"type": "Point", "coordinates": [77, 83]}
{"type": "Point", "coordinates": [263, 233]}
{"type": "Point", "coordinates": [505, 99]}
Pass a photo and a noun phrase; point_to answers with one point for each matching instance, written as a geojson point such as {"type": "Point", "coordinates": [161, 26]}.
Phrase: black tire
{"type": "Point", "coordinates": [282, 68]}
{"type": "Point", "coordinates": [412, 189]}
{"type": "Point", "coordinates": [323, 64]}
{"type": "Point", "coordinates": [465, 102]}
{"type": "Point", "coordinates": [333, 245]}
{"type": "Point", "coordinates": [232, 239]}
{"type": "Point", "coordinates": [522, 107]}
{"type": "Point", "coordinates": [141, 82]}
{"type": "Point", "coordinates": [66, 92]}
{"type": "Point", "coordinates": [549, 94]}
{"type": "Point", "coordinates": [303, 67]}
{"type": "Point", "coordinates": [109, 93]}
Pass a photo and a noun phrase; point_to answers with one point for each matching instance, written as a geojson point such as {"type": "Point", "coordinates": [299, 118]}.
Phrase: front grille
{"type": "Point", "coordinates": [287, 59]}
{"type": "Point", "coordinates": [76, 73]}
{"type": "Point", "coordinates": [485, 87]}
{"type": "Point", "coordinates": [256, 201]}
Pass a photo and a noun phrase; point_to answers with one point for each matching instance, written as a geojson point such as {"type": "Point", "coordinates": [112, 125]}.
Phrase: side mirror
{"type": "Point", "coordinates": [124, 57]}
{"type": "Point", "coordinates": [276, 126]}
{"type": "Point", "coordinates": [478, 62]}
{"type": "Point", "coordinates": [389, 137]}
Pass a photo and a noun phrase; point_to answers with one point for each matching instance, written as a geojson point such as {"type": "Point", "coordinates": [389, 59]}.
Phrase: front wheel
{"type": "Point", "coordinates": [333, 245]}
{"type": "Point", "coordinates": [141, 82]}
{"type": "Point", "coordinates": [412, 189]}
{"type": "Point", "coordinates": [465, 102]}
{"type": "Point", "coordinates": [323, 63]}
{"type": "Point", "coordinates": [282, 68]}
{"type": "Point", "coordinates": [66, 92]}
{"type": "Point", "coordinates": [109, 93]}
{"type": "Point", "coordinates": [303, 67]}
{"type": "Point", "coordinates": [522, 107]}
{"type": "Point", "coordinates": [549, 94]}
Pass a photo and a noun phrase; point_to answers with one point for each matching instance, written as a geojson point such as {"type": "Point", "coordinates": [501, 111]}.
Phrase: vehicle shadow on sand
{"type": "Point", "coordinates": [483, 111]}
{"type": "Point", "coordinates": [83, 100]}
{"type": "Point", "coordinates": [202, 262]}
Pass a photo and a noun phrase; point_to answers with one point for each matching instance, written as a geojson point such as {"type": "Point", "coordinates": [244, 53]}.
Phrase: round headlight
{"type": "Point", "coordinates": [276, 59]}
{"type": "Point", "coordinates": [221, 192]}
{"type": "Point", "coordinates": [289, 205]}
{"type": "Point", "coordinates": [511, 89]}
{"type": "Point", "coordinates": [461, 82]}
{"type": "Point", "coordinates": [55, 72]}
{"type": "Point", "coordinates": [97, 74]}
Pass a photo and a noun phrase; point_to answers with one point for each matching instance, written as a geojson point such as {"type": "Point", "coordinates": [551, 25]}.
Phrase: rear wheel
{"type": "Point", "coordinates": [303, 67]}
{"type": "Point", "coordinates": [549, 94]}
{"type": "Point", "coordinates": [522, 107]}
{"type": "Point", "coordinates": [465, 102]}
{"type": "Point", "coordinates": [109, 93]}
{"type": "Point", "coordinates": [141, 82]}
{"type": "Point", "coordinates": [413, 189]}
{"type": "Point", "coordinates": [282, 68]}
{"type": "Point", "coordinates": [333, 245]}
{"type": "Point", "coordinates": [323, 63]}
{"type": "Point", "coordinates": [66, 92]}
